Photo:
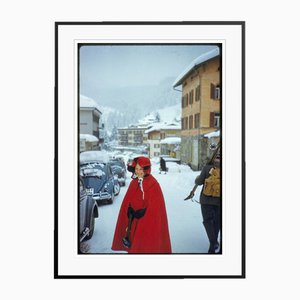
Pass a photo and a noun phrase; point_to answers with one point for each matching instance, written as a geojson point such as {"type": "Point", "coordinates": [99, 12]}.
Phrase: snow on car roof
{"type": "Point", "coordinates": [94, 155]}
{"type": "Point", "coordinates": [92, 172]}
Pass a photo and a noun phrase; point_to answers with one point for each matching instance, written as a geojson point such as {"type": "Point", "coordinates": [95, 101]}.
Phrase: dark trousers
{"type": "Point", "coordinates": [211, 221]}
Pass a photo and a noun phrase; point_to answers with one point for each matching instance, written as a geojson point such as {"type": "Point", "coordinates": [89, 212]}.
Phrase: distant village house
{"type": "Point", "coordinates": [133, 135]}
{"type": "Point", "coordinates": [158, 135]}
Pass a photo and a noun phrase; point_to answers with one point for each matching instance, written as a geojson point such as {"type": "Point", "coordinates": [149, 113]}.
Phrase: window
{"type": "Point", "coordinates": [185, 100]}
{"type": "Point", "coordinates": [215, 92]}
{"type": "Point", "coordinates": [156, 145]}
{"type": "Point", "coordinates": [214, 120]}
{"type": "Point", "coordinates": [217, 120]}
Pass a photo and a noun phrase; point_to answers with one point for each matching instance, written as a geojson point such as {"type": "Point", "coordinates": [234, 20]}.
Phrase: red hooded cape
{"type": "Point", "coordinates": [149, 234]}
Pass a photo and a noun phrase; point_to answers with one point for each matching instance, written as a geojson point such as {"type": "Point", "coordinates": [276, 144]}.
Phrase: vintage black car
{"type": "Point", "coordinates": [99, 181]}
{"type": "Point", "coordinates": [88, 211]}
{"type": "Point", "coordinates": [119, 169]}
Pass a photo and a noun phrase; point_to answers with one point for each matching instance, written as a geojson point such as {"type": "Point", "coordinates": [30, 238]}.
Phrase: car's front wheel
{"type": "Point", "coordinates": [117, 188]}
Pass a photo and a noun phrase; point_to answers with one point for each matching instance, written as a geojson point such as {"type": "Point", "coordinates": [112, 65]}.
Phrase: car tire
{"type": "Point", "coordinates": [117, 189]}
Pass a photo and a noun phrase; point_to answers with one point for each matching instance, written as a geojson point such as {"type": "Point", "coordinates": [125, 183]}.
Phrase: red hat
{"type": "Point", "coordinates": [143, 161]}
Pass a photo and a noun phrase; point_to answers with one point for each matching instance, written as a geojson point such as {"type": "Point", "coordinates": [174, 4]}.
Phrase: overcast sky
{"type": "Point", "coordinates": [113, 66]}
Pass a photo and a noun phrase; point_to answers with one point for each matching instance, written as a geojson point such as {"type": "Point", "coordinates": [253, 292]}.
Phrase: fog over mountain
{"type": "Point", "coordinates": [126, 105]}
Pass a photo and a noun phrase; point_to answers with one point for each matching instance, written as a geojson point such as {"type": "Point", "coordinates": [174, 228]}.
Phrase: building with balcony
{"type": "Point", "coordinates": [133, 135]}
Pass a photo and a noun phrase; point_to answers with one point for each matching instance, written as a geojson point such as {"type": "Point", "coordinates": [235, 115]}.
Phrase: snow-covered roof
{"type": "Point", "coordinates": [198, 61]}
{"type": "Point", "coordinates": [174, 140]}
{"type": "Point", "coordinates": [212, 134]}
{"type": "Point", "coordinates": [163, 126]}
{"type": "Point", "coordinates": [133, 127]}
{"type": "Point", "coordinates": [88, 137]}
{"type": "Point", "coordinates": [89, 103]}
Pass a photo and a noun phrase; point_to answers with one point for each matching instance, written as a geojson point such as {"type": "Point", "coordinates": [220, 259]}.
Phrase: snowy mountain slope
{"type": "Point", "coordinates": [121, 107]}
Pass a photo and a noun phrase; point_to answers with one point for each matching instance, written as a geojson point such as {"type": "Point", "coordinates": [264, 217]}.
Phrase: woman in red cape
{"type": "Point", "coordinates": [144, 206]}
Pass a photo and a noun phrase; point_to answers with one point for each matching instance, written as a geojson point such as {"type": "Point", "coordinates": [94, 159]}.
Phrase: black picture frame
{"type": "Point", "coordinates": [77, 37]}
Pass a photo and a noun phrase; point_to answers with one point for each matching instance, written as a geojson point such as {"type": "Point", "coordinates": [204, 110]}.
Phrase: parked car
{"type": "Point", "coordinates": [119, 169]}
{"type": "Point", "coordinates": [88, 211]}
{"type": "Point", "coordinates": [99, 181]}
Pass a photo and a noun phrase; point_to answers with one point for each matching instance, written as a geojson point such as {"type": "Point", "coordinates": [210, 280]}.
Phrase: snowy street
{"type": "Point", "coordinates": [185, 221]}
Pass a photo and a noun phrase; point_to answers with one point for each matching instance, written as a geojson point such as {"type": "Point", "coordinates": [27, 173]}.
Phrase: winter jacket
{"type": "Point", "coordinates": [150, 233]}
{"type": "Point", "coordinates": [163, 165]}
{"type": "Point", "coordinates": [200, 181]}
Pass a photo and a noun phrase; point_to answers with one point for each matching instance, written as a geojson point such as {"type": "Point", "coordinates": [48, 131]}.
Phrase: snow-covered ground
{"type": "Point", "coordinates": [184, 217]}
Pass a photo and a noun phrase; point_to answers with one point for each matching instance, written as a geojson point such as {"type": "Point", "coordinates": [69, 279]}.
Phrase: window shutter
{"type": "Point", "coordinates": [212, 120]}
{"type": "Point", "coordinates": [190, 122]}
{"type": "Point", "coordinates": [212, 91]}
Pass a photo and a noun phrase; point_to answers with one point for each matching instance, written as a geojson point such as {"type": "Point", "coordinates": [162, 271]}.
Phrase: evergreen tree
{"type": "Point", "coordinates": [157, 117]}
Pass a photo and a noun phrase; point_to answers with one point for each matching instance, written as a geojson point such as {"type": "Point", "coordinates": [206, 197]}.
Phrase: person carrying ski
{"type": "Point", "coordinates": [210, 201]}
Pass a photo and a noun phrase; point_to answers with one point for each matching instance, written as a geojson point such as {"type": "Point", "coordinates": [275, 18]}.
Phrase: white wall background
{"type": "Point", "coordinates": [27, 85]}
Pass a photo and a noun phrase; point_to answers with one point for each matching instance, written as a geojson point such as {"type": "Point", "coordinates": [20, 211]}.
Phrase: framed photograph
{"type": "Point", "coordinates": [149, 150]}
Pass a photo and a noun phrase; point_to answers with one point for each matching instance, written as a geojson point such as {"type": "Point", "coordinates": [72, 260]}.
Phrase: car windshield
{"type": "Point", "coordinates": [116, 168]}
{"type": "Point", "coordinates": [116, 163]}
